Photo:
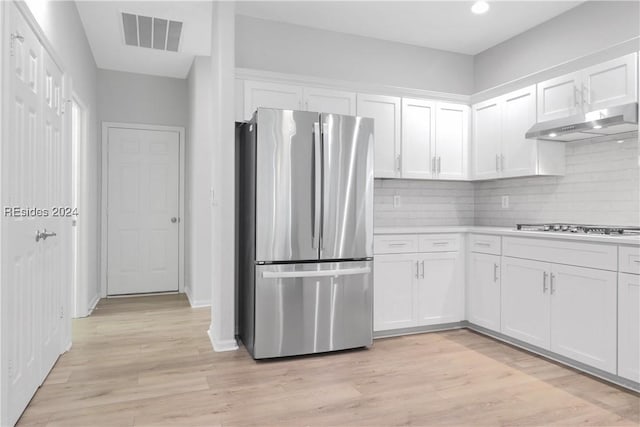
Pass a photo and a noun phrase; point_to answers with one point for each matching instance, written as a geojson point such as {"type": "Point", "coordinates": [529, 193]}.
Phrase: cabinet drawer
{"type": "Point", "coordinates": [592, 255]}
{"type": "Point", "coordinates": [629, 261]}
{"type": "Point", "coordinates": [485, 243]}
{"type": "Point", "coordinates": [395, 244]}
{"type": "Point", "coordinates": [439, 243]}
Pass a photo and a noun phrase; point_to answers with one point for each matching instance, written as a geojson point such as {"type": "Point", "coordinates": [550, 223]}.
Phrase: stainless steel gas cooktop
{"type": "Point", "coordinates": [581, 228]}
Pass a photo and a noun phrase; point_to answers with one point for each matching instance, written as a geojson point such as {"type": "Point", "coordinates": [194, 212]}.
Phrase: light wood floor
{"type": "Point", "coordinates": [148, 361]}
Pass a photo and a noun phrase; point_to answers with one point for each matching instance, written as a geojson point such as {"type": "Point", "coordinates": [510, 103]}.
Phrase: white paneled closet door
{"type": "Point", "coordinates": [34, 175]}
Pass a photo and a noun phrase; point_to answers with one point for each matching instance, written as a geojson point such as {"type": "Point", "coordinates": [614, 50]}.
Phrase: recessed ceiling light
{"type": "Point", "coordinates": [552, 135]}
{"type": "Point", "coordinates": [480, 7]}
{"type": "Point", "coordinates": [620, 141]}
{"type": "Point", "coordinates": [597, 127]}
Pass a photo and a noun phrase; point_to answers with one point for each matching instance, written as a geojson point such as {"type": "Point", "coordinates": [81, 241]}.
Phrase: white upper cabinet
{"type": "Point", "coordinates": [487, 138]}
{"type": "Point", "coordinates": [559, 97]}
{"type": "Point", "coordinates": [500, 149]}
{"type": "Point", "coordinates": [600, 86]}
{"type": "Point", "coordinates": [452, 141]}
{"type": "Point", "coordinates": [435, 138]}
{"type": "Point", "coordinates": [385, 110]}
{"type": "Point", "coordinates": [611, 83]}
{"type": "Point", "coordinates": [270, 95]}
{"type": "Point", "coordinates": [418, 135]}
{"type": "Point", "coordinates": [519, 155]}
{"type": "Point", "coordinates": [329, 101]}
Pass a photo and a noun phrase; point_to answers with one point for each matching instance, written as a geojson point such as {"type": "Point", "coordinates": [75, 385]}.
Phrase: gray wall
{"type": "Point", "coordinates": [601, 186]}
{"type": "Point", "coordinates": [423, 203]}
{"type": "Point", "coordinates": [63, 28]}
{"type": "Point", "coordinates": [286, 48]}
{"type": "Point", "coordinates": [584, 30]}
{"type": "Point", "coordinates": [198, 182]}
{"type": "Point", "coordinates": [138, 98]}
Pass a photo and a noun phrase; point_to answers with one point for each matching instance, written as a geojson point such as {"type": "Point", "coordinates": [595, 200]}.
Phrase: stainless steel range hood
{"type": "Point", "coordinates": [599, 123]}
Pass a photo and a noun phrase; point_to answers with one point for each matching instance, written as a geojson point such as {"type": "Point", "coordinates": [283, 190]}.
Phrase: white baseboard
{"type": "Point", "coordinates": [194, 303]}
{"type": "Point", "coordinates": [92, 304]}
{"type": "Point", "coordinates": [222, 345]}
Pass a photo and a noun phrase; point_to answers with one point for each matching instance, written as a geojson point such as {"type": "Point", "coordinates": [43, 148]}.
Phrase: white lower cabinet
{"type": "Point", "coordinates": [440, 288]}
{"type": "Point", "coordinates": [629, 326]}
{"type": "Point", "coordinates": [583, 315]}
{"type": "Point", "coordinates": [566, 309]}
{"type": "Point", "coordinates": [484, 290]}
{"type": "Point", "coordinates": [525, 300]}
{"type": "Point", "coordinates": [393, 291]}
{"type": "Point", "coordinates": [416, 289]}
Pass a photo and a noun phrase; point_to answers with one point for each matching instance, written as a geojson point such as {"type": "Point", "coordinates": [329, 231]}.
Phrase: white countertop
{"type": "Point", "coordinates": [507, 231]}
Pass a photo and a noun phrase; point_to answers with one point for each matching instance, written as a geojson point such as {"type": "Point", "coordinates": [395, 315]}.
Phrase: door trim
{"type": "Point", "coordinates": [104, 196]}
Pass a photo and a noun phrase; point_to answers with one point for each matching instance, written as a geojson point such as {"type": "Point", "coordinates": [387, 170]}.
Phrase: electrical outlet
{"type": "Point", "coordinates": [396, 201]}
{"type": "Point", "coordinates": [505, 202]}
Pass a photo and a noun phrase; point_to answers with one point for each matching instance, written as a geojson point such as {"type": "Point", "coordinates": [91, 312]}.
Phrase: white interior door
{"type": "Point", "coordinates": [35, 185]}
{"type": "Point", "coordinates": [143, 211]}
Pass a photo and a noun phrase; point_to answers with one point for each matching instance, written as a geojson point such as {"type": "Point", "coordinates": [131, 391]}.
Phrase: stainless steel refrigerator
{"type": "Point", "coordinates": [304, 201]}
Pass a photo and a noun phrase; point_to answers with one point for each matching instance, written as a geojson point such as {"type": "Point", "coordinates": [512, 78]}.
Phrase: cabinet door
{"type": "Point", "coordinates": [393, 291]}
{"type": "Point", "coordinates": [452, 140]}
{"type": "Point", "coordinates": [484, 290]}
{"type": "Point", "coordinates": [487, 137]}
{"type": "Point", "coordinates": [270, 95]}
{"type": "Point", "coordinates": [559, 97]}
{"type": "Point", "coordinates": [525, 300]}
{"type": "Point", "coordinates": [583, 315]}
{"type": "Point", "coordinates": [440, 288]}
{"type": "Point", "coordinates": [610, 83]}
{"type": "Point", "coordinates": [385, 110]}
{"type": "Point", "coordinates": [629, 326]}
{"type": "Point", "coordinates": [330, 101]}
{"type": "Point", "coordinates": [519, 155]}
{"type": "Point", "coordinates": [418, 134]}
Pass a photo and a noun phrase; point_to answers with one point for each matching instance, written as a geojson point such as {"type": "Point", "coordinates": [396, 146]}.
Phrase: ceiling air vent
{"type": "Point", "coordinates": [156, 33]}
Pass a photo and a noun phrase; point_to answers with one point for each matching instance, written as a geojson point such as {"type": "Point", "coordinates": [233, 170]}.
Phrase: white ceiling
{"type": "Point", "coordinates": [447, 25]}
{"type": "Point", "coordinates": [103, 24]}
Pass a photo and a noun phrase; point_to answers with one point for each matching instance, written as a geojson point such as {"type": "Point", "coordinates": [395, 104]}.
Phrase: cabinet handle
{"type": "Point", "coordinates": [397, 244]}
{"type": "Point", "coordinates": [553, 288]}
{"type": "Point", "coordinates": [497, 163]}
{"type": "Point", "coordinates": [398, 162]}
{"type": "Point", "coordinates": [575, 95]}
{"type": "Point", "coordinates": [433, 165]}
{"type": "Point", "coordinates": [502, 163]}
{"type": "Point", "coordinates": [495, 272]}
{"type": "Point", "coordinates": [417, 270]}
{"type": "Point", "coordinates": [544, 282]}
{"type": "Point", "coordinates": [439, 165]}
{"type": "Point", "coordinates": [585, 95]}
{"type": "Point", "coordinates": [483, 244]}
{"type": "Point", "coordinates": [422, 268]}
{"type": "Point", "coordinates": [440, 243]}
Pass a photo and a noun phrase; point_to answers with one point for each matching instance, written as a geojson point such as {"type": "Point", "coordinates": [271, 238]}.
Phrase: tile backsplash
{"type": "Point", "coordinates": [423, 203]}
{"type": "Point", "coordinates": [601, 186]}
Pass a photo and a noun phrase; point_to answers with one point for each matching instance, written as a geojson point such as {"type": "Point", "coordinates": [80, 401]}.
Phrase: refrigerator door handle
{"type": "Point", "coordinates": [325, 167]}
{"type": "Point", "coordinates": [317, 187]}
{"type": "Point", "coordinates": [316, 273]}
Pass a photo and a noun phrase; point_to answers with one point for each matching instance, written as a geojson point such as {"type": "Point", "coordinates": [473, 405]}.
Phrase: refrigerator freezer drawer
{"type": "Point", "coordinates": [312, 308]}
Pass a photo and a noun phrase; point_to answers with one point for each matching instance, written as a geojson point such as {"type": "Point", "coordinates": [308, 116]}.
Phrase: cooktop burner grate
{"type": "Point", "coordinates": [580, 228]}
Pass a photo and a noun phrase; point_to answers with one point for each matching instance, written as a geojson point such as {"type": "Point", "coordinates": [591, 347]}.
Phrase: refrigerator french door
{"type": "Point", "coordinates": [305, 237]}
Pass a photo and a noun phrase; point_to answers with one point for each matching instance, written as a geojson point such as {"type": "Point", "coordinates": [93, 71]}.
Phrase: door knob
{"type": "Point", "coordinates": [174, 219]}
